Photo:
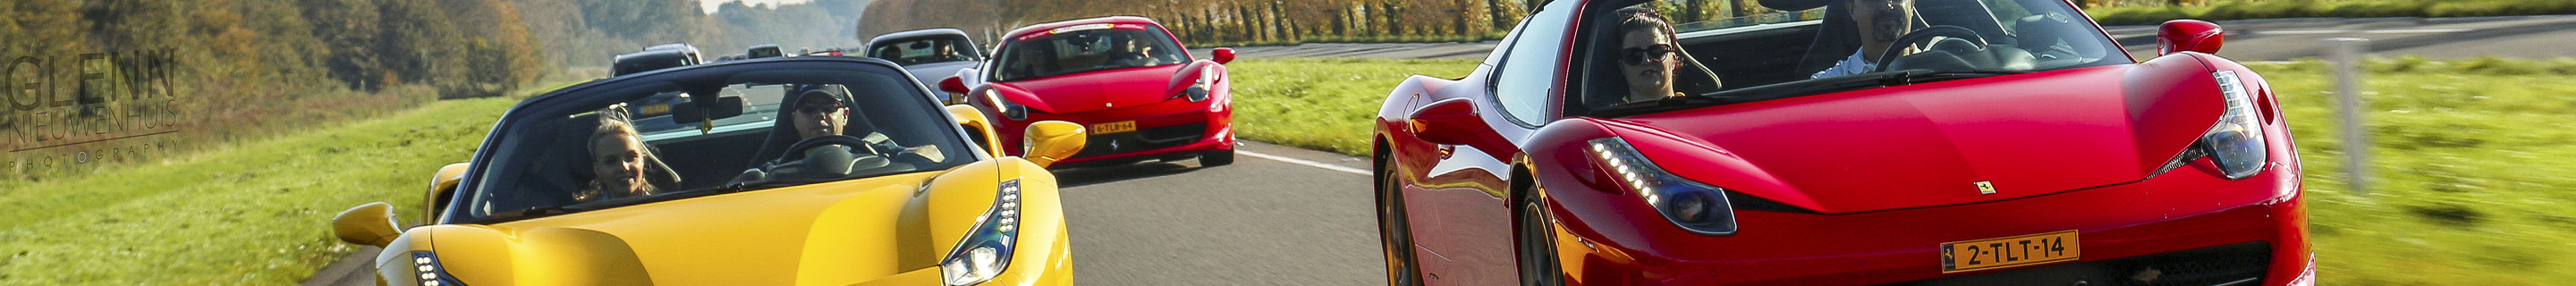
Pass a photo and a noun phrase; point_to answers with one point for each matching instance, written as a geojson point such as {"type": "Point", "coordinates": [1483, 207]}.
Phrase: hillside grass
{"type": "Point", "coordinates": [2470, 157]}
{"type": "Point", "coordinates": [248, 212]}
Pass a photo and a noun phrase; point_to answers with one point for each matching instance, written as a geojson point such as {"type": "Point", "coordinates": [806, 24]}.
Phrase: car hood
{"type": "Point", "coordinates": [871, 231]}
{"type": "Point", "coordinates": [1098, 90]}
{"type": "Point", "coordinates": [1931, 144]}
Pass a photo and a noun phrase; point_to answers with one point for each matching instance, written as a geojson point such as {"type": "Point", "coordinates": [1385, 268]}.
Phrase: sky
{"type": "Point", "coordinates": [709, 6]}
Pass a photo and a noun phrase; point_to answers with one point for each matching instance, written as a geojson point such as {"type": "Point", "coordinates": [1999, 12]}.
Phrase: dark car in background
{"type": "Point", "coordinates": [654, 58]}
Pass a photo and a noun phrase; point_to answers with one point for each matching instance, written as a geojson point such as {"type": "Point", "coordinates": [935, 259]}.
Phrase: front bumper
{"type": "Point", "coordinates": [2176, 229]}
{"type": "Point", "coordinates": [1168, 130]}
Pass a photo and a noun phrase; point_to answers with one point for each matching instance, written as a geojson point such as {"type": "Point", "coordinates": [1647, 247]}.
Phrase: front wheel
{"type": "Point", "coordinates": [1537, 243]}
{"type": "Point", "coordinates": [1394, 231]}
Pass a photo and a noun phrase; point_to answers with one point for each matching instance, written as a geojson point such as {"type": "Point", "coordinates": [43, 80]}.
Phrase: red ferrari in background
{"type": "Point", "coordinates": [1127, 80]}
{"type": "Point", "coordinates": [1990, 142]}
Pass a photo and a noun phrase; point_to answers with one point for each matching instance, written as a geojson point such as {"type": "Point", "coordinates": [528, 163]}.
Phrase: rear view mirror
{"type": "Point", "coordinates": [953, 85]}
{"type": "Point", "coordinates": [690, 112]}
{"type": "Point", "coordinates": [2189, 35]}
{"type": "Point", "coordinates": [1448, 122]}
{"type": "Point", "coordinates": [1051, 141]}
{"type": "Point", "coordinates": [1222, 55]}
{"type": "Point", "coordinates": [367, 224]}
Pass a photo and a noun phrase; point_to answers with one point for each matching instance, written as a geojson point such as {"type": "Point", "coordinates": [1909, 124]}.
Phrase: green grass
{"type": "Point", "coordinates": [2470, 158]}
{"type": "Point", "coordinates": [2469, 171]}
{"type": "Point", "coordinates": [254, 212]}
{"type": "Point", "coordinates": [1321, 104]}
{"type": "Point", "coordinates": [2248, 9]}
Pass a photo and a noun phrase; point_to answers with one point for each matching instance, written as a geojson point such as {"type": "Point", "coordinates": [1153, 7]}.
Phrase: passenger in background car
{"type": "Point", "coordinates": [1647, 55]}
{"type": "Point", "coordinates": [1129, 51]}
{"type": "Point", "coordinates": [618, 159]}
{"type": "Point", "coordinates": [1879, 22]}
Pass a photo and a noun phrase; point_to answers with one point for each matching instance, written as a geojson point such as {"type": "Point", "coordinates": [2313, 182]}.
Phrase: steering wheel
{"type": "Point", "coordinates": [1925, 36]}
{"type": "Point", "coordinates": [798, 150]}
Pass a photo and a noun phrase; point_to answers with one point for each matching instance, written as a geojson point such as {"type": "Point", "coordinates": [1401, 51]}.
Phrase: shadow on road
{"type": "Point", "coordinates": [1078, 177]}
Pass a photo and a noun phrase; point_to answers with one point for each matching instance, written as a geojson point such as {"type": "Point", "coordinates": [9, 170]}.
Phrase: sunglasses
{"type": "Point", "coordinates": [819, 107]}
{"type": "Point", "coordinates": [1639, 55]}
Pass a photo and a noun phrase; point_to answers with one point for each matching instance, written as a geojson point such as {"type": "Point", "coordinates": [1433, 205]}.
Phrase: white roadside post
{"type": "Point", "coordinates": [2344, 54]}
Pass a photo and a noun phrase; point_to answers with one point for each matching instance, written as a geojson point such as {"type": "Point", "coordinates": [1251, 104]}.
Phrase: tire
{"type": "Point", "coordinates": [1216, 158]}
{"type": "Point", "coordinates": [1536, 242]}
{"type": "Point", "coordinates": [1394, 229]}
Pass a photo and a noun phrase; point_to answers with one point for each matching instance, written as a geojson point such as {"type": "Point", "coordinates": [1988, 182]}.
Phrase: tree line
{"type": "Point", "coordinates": [1263, 22]}
{"type": "Point", "coordinates": [232, 70]}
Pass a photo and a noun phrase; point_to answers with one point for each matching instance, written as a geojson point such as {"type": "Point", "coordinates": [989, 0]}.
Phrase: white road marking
{"type": "Point", "coordinates": [2401, 31]}
{"type": "Point", "coordinates": [2303, 32]}
{"type": "Point", "coordinates": [2418, 31]}
{"type": "Point", "coordinates": [1338, 168]}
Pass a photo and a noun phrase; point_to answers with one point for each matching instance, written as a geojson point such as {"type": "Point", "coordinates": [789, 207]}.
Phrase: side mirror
{"type": "Point", "coordinates": [1222, 55]}
{"type": "Point", "coordinates": [691, 112]}
{"type": "Point", "coordinates": [1051, 141]}
{"type": "Point", "coordinates": [973, 120]}
{"type": "Point", "coordinates": [442, 187]}
{"type": "Point", "coordinates": [1448, 122]}
{"type": "Point", "coordinates": [2189, 35]}
{"type": "Point", "coordinates": [367, 224]}
{"type": "Point", "coordinates": [953, 85]}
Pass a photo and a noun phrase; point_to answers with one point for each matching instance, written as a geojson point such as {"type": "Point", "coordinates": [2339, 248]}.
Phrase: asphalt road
{"type": "Point", "coordinates": [1284, 216]}
{"type": "Point", "coordinates": [2247, 40]}
{"type": "Point", "coordinates": [1278, 216]}
{"type": "Point", "coordinates": [1261, 221]}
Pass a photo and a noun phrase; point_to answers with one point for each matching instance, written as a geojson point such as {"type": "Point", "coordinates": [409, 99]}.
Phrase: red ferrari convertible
{"type": "Point", "coordinates": [1846, 142]}
{"type": "Point", "coordinates": [1140, 94]}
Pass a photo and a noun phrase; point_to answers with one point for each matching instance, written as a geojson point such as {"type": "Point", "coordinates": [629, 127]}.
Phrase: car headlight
{"type": "Point", "coordinates": [1198, 90]}
{"type": "Point", "coordinates": [427, 271]}
{"type": "Point", "coordinates": [986, 250]}
{"type": "Point", "coordinates": [2236, 144]}
{"type": "Point", "coordinates": [1010, 110]}
{"type": "Point", "coordinates": [1694, 206]}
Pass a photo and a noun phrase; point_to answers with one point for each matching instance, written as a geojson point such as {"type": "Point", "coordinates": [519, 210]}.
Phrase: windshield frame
{"type": "Point", "coordinates": [1712, 40]}
{"type": "Point", "coordinates": [531, 115]}
{"type": "Point", "coordinates": [1002, 57]}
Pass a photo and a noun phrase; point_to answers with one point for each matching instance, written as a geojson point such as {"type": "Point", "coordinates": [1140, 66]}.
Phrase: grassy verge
{"type": "Point", "coordinates": [2468, 170]}
{"type": "Point", "coordinates": [250, 212]}
{"type": "Point", "coordinates": [1321, 104]}
{"type": "Point", "coordinates": [2470, 158]}
{"type": "Point", "coordinates": [2249, 9]}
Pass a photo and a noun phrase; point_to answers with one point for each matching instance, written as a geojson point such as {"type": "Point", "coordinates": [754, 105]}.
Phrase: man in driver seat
{"type": "Point", "coordinates": [1880, 22]}
{"type": "Point", "coordinates": [817, 113]}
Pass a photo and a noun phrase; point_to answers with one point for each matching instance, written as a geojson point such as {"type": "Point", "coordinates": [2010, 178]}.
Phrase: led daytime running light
{"type": "Point", "coordinates": [1696, 207]}
{"type": "Point", "coordinates": [986, 251]}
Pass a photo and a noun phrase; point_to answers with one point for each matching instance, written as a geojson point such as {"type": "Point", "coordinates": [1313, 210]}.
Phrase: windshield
{"type": "Point", "coordinates": [642, 140]}
{"type": "Point", "coordinates": [921, 50]}
{"type": "Point", "coordinates": [1084, 48]}
{"type": "Point", "coordinates": [1785, 48]}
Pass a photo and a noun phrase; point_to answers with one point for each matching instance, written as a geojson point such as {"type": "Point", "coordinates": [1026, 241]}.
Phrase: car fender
{"type": "Point", "coordinates": [957, 199]}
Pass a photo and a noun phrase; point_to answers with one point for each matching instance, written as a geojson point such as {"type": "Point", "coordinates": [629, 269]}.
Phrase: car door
{"type": "Point", "coordinates": [1466, 188]}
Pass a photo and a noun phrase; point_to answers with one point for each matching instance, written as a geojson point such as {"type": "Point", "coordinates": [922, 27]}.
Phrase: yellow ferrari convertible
{"type": "Point", "coordinates": [780, 171]}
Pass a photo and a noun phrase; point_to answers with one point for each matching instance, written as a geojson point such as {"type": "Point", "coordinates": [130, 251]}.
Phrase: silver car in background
{"type": "Point", "coordinates": [929, 54]}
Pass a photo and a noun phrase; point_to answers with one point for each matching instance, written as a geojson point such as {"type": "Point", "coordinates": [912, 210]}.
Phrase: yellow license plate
{"type": "Point", "coordinates": [1994, 253]}
{"type": "Point", "coordinates": [1113, 127]}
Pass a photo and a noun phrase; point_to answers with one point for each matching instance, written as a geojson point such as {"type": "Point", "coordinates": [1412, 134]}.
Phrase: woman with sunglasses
{"type": "Point", "coordinates": [1646, 53]}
